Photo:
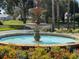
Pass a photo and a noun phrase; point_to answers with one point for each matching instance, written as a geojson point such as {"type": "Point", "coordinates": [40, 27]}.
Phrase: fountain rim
{"type": "Point", "coordinates": [28, 32]}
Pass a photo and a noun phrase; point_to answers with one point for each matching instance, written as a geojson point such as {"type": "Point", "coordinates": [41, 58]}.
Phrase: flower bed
{"type": "Point", "coordinates": [12, 52]}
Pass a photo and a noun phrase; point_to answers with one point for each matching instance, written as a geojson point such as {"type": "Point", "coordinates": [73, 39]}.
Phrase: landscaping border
{"type": "Point", "coordinates": [30, 32]}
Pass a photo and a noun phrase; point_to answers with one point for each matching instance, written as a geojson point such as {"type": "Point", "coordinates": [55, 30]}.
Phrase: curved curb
{"type": "Point", "coordinates": [30, 32]}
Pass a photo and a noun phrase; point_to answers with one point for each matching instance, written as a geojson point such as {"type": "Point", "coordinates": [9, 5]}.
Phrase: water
{"type": "Point", "coordinates": [29, 39]}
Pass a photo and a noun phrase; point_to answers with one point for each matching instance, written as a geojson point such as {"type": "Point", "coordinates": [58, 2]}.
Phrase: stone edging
{"type": "Point", "coordinates": [25, 32]}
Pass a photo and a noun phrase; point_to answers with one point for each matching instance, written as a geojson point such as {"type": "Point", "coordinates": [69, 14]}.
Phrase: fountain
{"type": "Point", "coordinates": [37, 13]}
{"type": "Point", "coordinates": [22, 38]}
{"type": "Point", "coordinates": [36, 34]}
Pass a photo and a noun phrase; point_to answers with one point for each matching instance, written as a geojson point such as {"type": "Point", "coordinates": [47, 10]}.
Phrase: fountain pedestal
{"type": "Point", "coordinates": [37, 36]}
{"type": "Point", "coordinates": [36, 31]}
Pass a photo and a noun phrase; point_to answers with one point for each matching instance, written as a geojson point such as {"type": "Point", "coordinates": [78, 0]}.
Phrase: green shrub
{"type": "Point", "coordinates": [11, 52]}
{"type": "Point", "coordinates": [45, 57]}
{"type": "Point", "coordinates": [6, 50]}
{"type": "Point", "coordinates": [56, 49]}
{"type": "Point", "coordinates": [76, 17]}
{"type": "Point", "coordinates": [73, 56]}
{"type": "Point", "coordinates": [67, 31]}
{"type": "Point", "coordinates": [38, 53]}
{"type": "Point", "coordinates": [76, 31]}
{"type": "Point", "coordinates": [22, 54]}
{"type": "Point", "coordinates": [17, 26]}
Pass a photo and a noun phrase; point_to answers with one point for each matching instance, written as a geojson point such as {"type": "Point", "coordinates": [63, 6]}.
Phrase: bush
{"type": "Point", "coordinates": [73, 56]}
{"type": "Point", "coordinates": [8, 52]}
{"type": "Point", "coordinates": [11, 52]}
{"type": "Point", "coordinates": [56, 49]}
{"type": "Point", "coordinates": [76, 17]}
{"type": "Point", "coordinates": [67, 31]}
{"type": "Point", "coordinates": [22, 54]}
{"type": "Point", "coordinates": [76, 31]}
{"type": "Point", "coordinates": [39, 53]}
{"type": "Point", "coordinates": [17, 26]}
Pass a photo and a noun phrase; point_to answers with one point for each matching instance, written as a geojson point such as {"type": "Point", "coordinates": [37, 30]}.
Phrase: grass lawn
{"type": "Point", "coordinates": [12, 22]}
{"type": "Point", "coordinates": [5, 29]}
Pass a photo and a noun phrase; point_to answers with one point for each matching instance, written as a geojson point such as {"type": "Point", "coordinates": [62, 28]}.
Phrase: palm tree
{"type": "Point", "coordinates": [53, 16]}
{"type": "Point", "coordinates": [57, 1]}
{"type": "Point", "coordinates": [74, 13]}
{"type": "Point", "coordinates": [68, 15]}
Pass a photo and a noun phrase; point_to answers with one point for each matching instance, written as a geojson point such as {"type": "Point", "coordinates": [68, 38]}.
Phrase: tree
{"type": "Point", "coordinates": [9, 7]}
{"type": "Point", "coordinates": [24, 5]}
{"type": "Point", "coordinates": [53, 16]}
{"type": "Point", "coordinates": [1, 3]}
{"type": "Point", "coordinates": [58, 12]}
{"type": "Point", "coordinates": [61, 6]}
{"type": "Point", "coordinates": [70, 6]}
{"type": "Point", "coordinates": [47, 4]}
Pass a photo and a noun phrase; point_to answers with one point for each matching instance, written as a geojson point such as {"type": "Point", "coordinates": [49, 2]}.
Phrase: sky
{"type": "Point", "coordinates": [78, 0]}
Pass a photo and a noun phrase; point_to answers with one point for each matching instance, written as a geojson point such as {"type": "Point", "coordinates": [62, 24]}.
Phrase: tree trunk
{"type": "Point", "coordinates": [1, 23]}
{"type": "Point", "coordinates": [68, 25]}
{"type": "Point", "coordinates": [24, 15]}
{"type": "Point", "coordinates": [46, 17]}
{"type": "Point", "coordinates": [58, 14]}
{"type": "Point", "coordinates": [74, 14]}
{"type": "Point", "coordinates": [53, 17]}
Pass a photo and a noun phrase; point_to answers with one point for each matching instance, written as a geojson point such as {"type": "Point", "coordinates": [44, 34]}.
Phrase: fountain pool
{"type": "Point", "coordinates": [29, 40]}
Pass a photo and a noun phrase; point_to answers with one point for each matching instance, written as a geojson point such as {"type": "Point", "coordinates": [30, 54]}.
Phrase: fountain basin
{"type": "Point", "coordinates": [47, 39]}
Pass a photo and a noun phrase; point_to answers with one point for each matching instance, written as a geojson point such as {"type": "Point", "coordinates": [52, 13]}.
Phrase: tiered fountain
{"type": "Point", "coordinates": [22, 38]}
{"type": "Point", "coordinates": [37, 13]}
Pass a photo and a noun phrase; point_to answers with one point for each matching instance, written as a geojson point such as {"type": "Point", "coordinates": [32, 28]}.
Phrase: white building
{"type": "Point", "coordinates": [4, 16]}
